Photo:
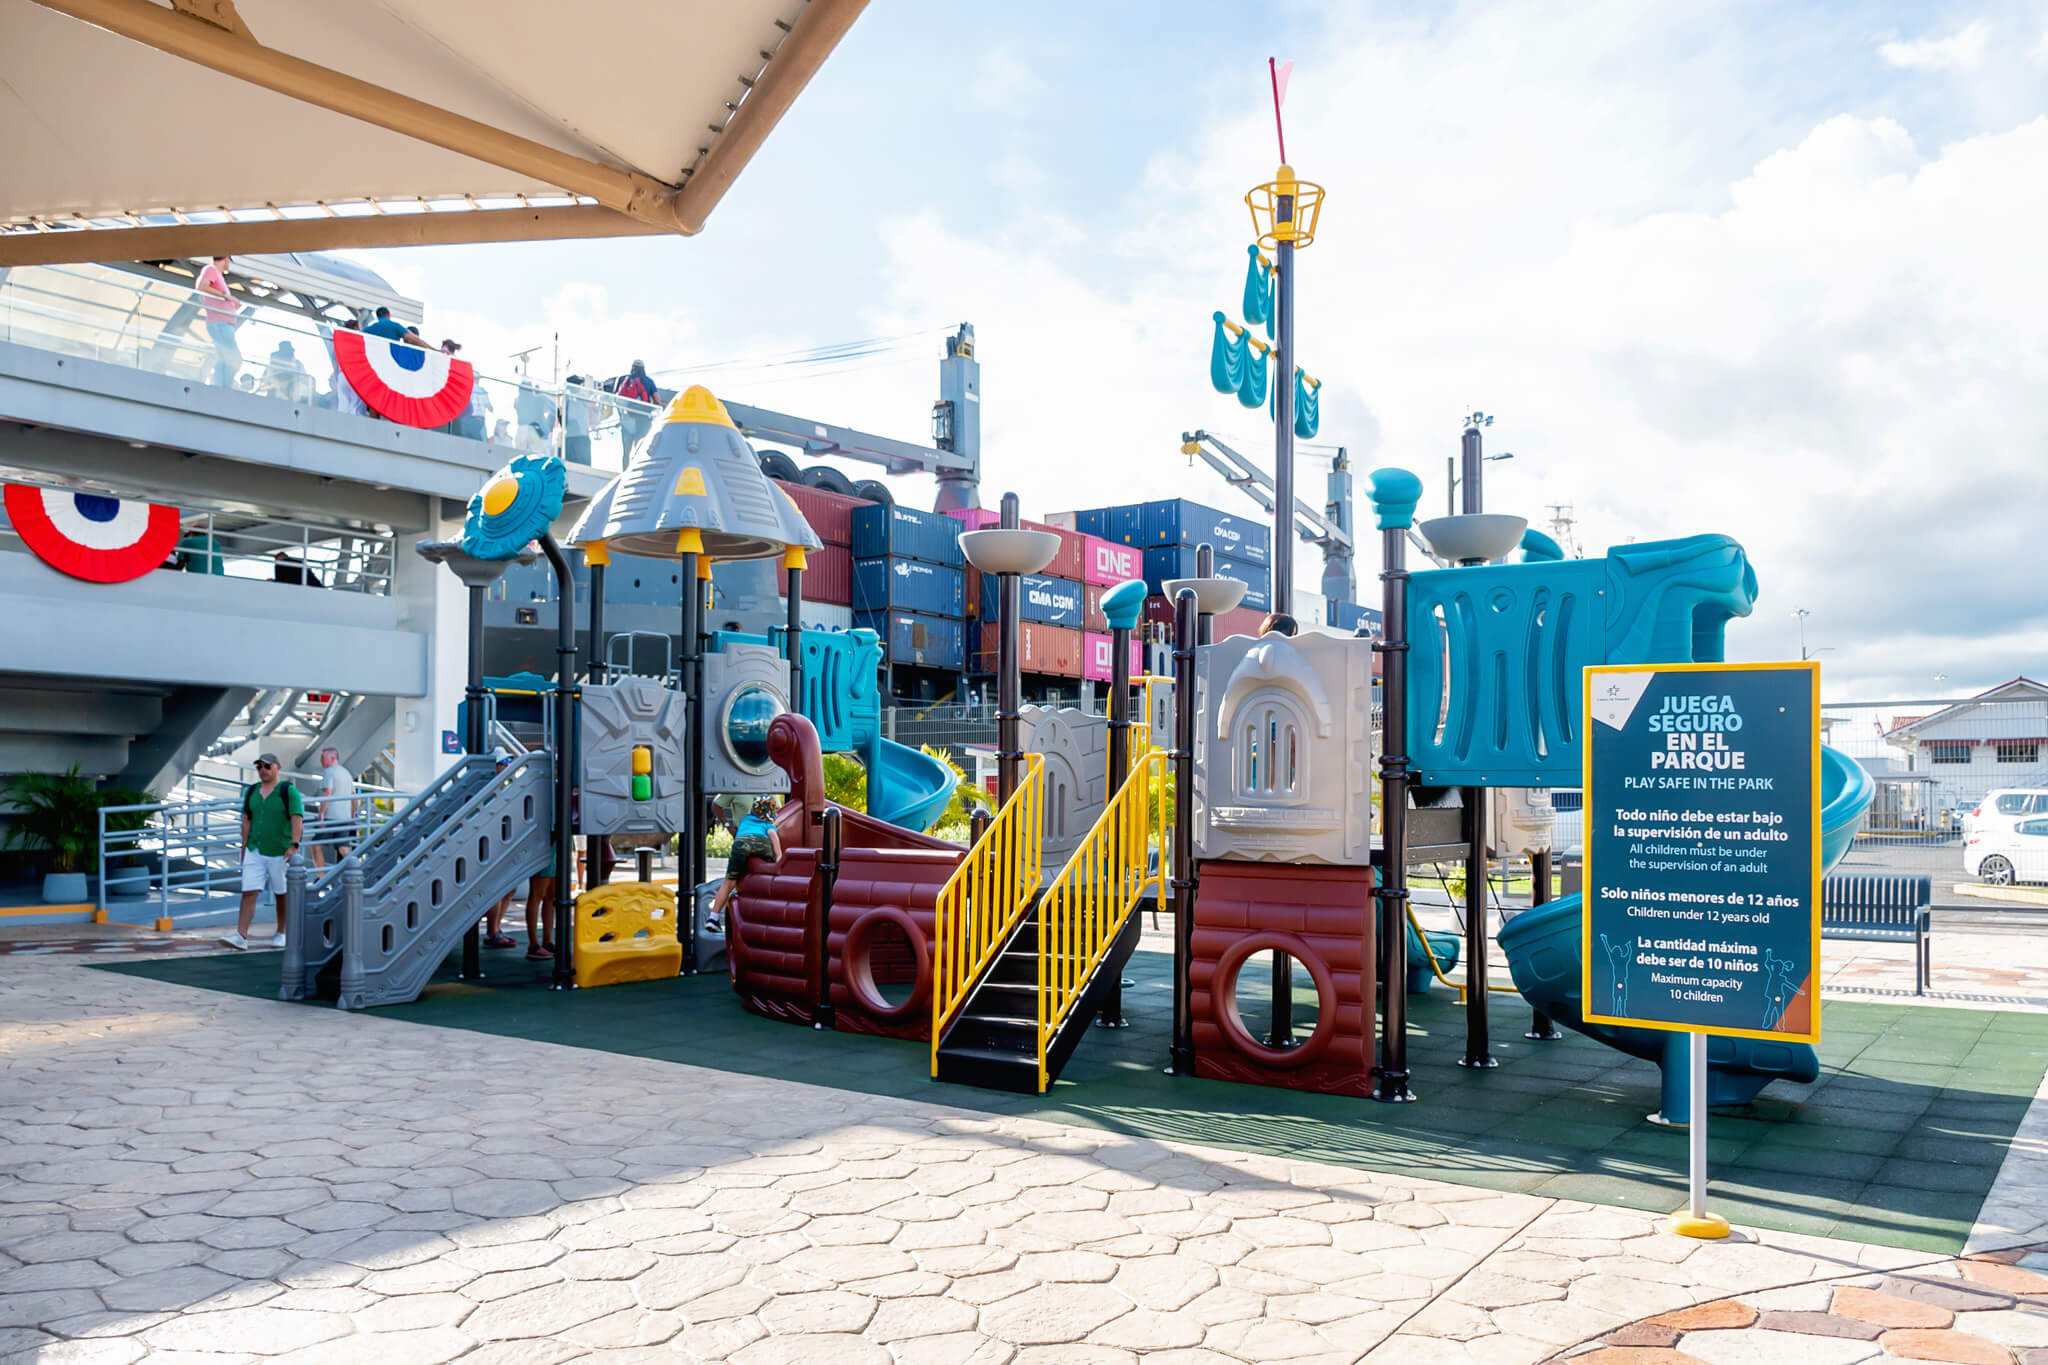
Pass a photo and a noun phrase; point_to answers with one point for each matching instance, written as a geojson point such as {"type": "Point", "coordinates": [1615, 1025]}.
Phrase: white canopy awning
{"type": "Point", "coordinates": [139, 129]}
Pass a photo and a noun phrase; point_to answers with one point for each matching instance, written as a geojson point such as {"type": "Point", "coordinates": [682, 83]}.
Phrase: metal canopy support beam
{"type": "Point", "coordinates": [429, 228]}
{"type": "Point", "coordinates": [797, 58]}
{"type": "Point", "coordinates": [821, 438]}
{"type": "Point", "coordinates": [199, 41]}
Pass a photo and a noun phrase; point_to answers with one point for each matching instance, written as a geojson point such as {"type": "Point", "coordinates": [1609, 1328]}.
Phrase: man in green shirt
{"type": "Point", "coordinates": [273, 822]}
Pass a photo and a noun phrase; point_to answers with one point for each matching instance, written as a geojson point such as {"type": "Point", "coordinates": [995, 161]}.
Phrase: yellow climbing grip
{"type": "Point", "coordinates": [626, 931]}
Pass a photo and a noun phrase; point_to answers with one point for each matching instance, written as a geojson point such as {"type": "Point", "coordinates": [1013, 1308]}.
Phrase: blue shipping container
{"type": "Point", "coordinates": [908, 585]}
{"type": "Point", "coordinates": [1350, 616]}
{"type": "Point", "coordinates": [1163, 562]}
{"type": "Point", "coordinates": [902, 532]}
{"type": "Point", "coordinates": [1180, 522]}
{"type": "Point", "coordinates": [922, 641]}
{"type": "Point", "coordinates": [1048, 601]}
{"type": "Point", "coordinates": [1127, 524]}
{"type": "Point", "coordinates": [1094, 522]}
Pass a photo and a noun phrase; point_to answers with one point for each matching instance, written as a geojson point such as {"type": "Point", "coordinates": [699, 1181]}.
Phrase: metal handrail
{"type": "Point", "coordinates": [195, 847]}
{"type": "Point", "coordinates": [1095, 894]}
{"type": "Point", "coordinates": [986, 897]}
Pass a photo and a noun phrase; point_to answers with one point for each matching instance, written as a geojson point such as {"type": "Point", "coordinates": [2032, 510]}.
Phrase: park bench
{"type": "Point", "coordinates": [1884, 908]}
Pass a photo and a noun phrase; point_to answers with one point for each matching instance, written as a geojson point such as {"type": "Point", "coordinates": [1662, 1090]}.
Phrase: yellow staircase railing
{"type": "Point", "coordinates": [986, 897]}
{"type": "Point", "coordinates": [1095, 894]}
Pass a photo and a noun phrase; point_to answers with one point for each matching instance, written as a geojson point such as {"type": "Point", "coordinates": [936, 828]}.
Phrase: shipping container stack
{"type": "Point", "coordinates": [1157, 541]}
{"type": "Point", "coordinates": [1052, 613]}
{"type": "Point", "coordinates": [828, 572]}
{"type": "Point", "coordinates": [909, 587]}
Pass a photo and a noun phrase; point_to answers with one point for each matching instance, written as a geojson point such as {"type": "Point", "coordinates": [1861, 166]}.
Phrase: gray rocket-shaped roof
{"type": "Point", "coordinates": [696, 473]}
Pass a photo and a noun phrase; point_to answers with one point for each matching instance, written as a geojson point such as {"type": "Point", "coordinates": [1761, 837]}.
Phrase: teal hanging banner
{"type": "Point", "coordinates": [1251, 392]}
{"type": "Point", "coordinates": [1229, 357]}
{"type": "Point", "coordinates": [1307, 414]}
{"type": "Point", "coordinates": [1258, 291]}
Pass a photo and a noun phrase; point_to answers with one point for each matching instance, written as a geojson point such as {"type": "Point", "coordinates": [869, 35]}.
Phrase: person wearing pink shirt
{"type": "Point", "coordinates": [223, 315]}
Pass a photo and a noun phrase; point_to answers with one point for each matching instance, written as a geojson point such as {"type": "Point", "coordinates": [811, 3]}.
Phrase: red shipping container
{"type": "Point", "coordinates": [1049, 650]}
{"type": "Point", "coordinates": [1097, 658]}
{"type": "Point", "coordinates": [1236, 621]}
{"type": "Point", "coordinates": [1065, 564]}
{"type": "Point", "coordinates": [828, 576]}
{"type": "Point", "coordinates": [830, 514]}
{"type": "Point", "coordinates": [1106, 563]}
{"type": "Point", "coordinates": [1091, 609]}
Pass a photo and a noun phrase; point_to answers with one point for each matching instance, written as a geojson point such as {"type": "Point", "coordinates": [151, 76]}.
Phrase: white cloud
{"type": "Point", "coordinates": [1962, 50]}
{"type": "Point", "coordinates": [1832, 356]}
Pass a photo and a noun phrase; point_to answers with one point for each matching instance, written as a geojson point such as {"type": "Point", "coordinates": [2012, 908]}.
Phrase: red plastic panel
{"type": "Point", "coordinates": [1329, 913]}
{"type": "Point", "coordinates": [907, 880]}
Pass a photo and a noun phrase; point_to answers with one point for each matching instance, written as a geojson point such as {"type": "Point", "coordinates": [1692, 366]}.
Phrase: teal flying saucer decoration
{"type": "Point", "coordinates": [517, 504]}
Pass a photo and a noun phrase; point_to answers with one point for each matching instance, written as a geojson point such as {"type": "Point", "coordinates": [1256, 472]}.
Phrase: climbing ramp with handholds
{"type": "Point", "coordinates": [626, 931]}
{"type": "Point", "coordinates": [375, 929]}
{"type": "Point", "coordinates": [1543, 947]}
{"type": "Point", "coordinates": [850, 937]}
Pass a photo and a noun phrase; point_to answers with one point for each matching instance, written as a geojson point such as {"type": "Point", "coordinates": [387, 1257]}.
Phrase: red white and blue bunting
{"type": "Point", "coordinates": [406, 383]}
{"type": "Point", "coordinates": [90, 535]}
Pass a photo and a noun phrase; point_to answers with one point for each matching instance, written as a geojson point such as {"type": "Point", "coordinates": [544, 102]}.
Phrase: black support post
{"type": "Point", "coordinates": [475, 741]}
{"type": "Point", "coordinates": [794, 634]}
{"type": "Point", "coordinates": [565, 738]}
{"type": "Point", "coordinates": [596, 848]}
{"type": "Point", "coordinates": [828, 878]}
{"type": "Point", "coordinates": [1009, 672]}
{"type": "Point", "coordinates": [691, 836]}
{"type": "Point", "coordinates": [1182, 758]}
{"type": "Point", "coordinates": [1390, 1077]}
{"type": "Point", "coordinates": [1541, 1029]}
{"type": "Point", "coordinates": [1111, 1015]}
{"type": "Point", "coordinates": [1478, 1051]}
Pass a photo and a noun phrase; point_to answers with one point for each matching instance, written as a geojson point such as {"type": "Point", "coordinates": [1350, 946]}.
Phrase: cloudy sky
{"type": "Point", "coordinates": [1766, 270]}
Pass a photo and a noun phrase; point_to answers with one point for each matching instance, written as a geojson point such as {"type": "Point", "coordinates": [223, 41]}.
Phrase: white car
{"type": "Point", "coordinates": [2002, 857]}
{"type": "Point", "coordinates": [2000, 810]}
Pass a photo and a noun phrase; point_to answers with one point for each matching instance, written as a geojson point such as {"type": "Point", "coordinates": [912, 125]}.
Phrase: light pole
{"type": "Point", "coordinates": [1802, 613]}
{"type": "Point", "coordinates": [1473, 423]}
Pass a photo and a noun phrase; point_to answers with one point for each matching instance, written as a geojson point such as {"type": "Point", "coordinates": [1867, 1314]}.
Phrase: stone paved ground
{"type": "Point", "coordinates": [1990, 1309]}
{"type": "Point", "coordinates": [187, 1175]}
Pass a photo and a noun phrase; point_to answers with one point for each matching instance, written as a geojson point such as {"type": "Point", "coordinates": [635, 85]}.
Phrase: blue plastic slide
{"type": "Point", "coordinates": [906, 787]}
{"type": "Point", "coordinates": [1542, 949]}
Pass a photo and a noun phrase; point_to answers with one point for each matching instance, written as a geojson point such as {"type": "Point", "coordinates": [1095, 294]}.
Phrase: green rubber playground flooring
{"type": "Point", "coordinates": [1895, 1144]}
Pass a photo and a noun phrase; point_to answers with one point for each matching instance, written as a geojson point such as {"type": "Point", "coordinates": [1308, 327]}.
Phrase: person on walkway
{"type": "Point", "coordinates": [475, 418]}
{"type": "Point", "coordinates": [339, 809]}
{"type": "Point", "coordinates": [285, 377]}
{"type": "Point", "coordinates": [388, 327]}
{"type": "Point", "coordinates": [535, 413]}
{"type": "Point", "coordinates": [636, 386]}
{"type": "Point", "coordinates": [577, 411]}
{"type": "Point", "coordinates": [223, 316]}
{"type": "Point", "coordinates": [273, 823]}
{"type": "Point", "coordinates": [755, 837]}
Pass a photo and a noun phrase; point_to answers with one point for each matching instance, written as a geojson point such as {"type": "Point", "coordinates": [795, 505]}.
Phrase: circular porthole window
{"type": "Point", "coordinates": [749, 711]}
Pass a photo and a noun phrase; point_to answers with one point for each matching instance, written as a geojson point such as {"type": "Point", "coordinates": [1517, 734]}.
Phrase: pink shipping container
{"type": "Point", "coordinates": [1065, 564]}
{"type": "Point", "coordinates": [1096, 660]}
{"type": "Point", "coordinates": [1107, 564]}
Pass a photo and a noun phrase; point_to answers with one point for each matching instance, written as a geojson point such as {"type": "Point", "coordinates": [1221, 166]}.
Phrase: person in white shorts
{"type": "Point", "coordinates": [273, 823]}
{"type": "Point", "coordinates": [338, 807]}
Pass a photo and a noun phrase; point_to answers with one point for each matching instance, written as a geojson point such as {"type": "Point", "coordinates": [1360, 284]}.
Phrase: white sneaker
{"type": "Point", "coordinates": [235, 941]}
{"type": "Point", "coordinates": [277, 940]}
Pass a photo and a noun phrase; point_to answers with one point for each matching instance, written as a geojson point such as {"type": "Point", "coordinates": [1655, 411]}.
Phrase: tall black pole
{"type": "Point", "coordinates": [475, 740]}
{"type": "Point", "coordinates": [691, 835]}
{"type": "Point", "coordinates": [822, 1014]}
{"type": "Point", "coordinates": [1394, 493]}
{"type": "Point", "coordinates": [565, 744]}
{"type": "Point", "coordinates": [595, 846]}
{"type": "Point", "coordinates": [1009, 671]}
{"type": "Point", "coordinates": [705, 818]}
{"type": "Point", "coordinates": [1478, 1052]}
{"type": "Point", "coordinates": [1283, 403]}
{"type": "Point", "coordinates": [1205, 567]}
{"type": "Point", "coordinates": [1182, 757]}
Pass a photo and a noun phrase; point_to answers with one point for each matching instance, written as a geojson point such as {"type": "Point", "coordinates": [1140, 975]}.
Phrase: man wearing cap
{"type": "Point", "coordinates": [273, 823]}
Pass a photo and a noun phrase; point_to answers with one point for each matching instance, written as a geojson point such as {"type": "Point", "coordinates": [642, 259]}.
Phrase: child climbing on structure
{"type": "Point", "coordinates": [754, 838]}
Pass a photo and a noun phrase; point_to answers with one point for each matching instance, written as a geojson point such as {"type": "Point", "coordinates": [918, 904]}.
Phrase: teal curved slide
{"type": "Point", "coordinates": [1542, 949]}
{"type": "Point", "coordinates": [906, 787]}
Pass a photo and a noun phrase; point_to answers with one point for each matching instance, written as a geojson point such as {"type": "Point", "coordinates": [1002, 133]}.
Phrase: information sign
{"type": "Point", "coordinates": [1702, 818]}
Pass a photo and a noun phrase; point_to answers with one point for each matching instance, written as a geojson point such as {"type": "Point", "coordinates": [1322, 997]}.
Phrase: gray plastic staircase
{"type": "Point", "coordinates": [373, 930]}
